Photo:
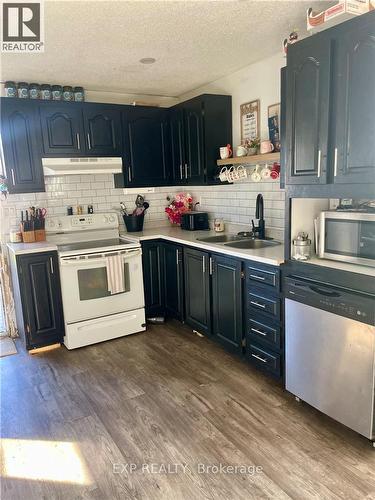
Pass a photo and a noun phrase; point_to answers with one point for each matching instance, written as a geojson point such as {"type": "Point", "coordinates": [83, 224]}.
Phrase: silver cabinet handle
{"type": "Point", "coordinates": [335, 164]}
{"type": "Point", "coordinates": [204, 264]}
{"type": "Point", "coordinates": [51, 265]}
{"type": "Point", "coordinates": [262, 278]}
{"type": "Point", "coordinates": [88, 140]}
{"type": "Point", "coordinates": [177, 257]}
{"type": "Point", "coordinates": [211, 266]}
{"type": "Point", "coordinates": [181, 174]}
{"type": "Point", "coordinates": [78, 141]}
{"type": "Point", "coordinates": [186, 171]}
{"type": "Point", "coordinates": [257, 304]}
{"type": "Point", "coordinates": [258, 331]}
{"type": "Point", "coordinates": [319, 161]}
{"type": "Point", "coordinates": [13, 179]}
{"type": "Point", "coordinates": [260, 359]}
{"type": "Point", "coordinates": [129, 174]}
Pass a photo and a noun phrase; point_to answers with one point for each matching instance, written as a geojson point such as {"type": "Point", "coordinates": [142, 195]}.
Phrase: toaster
{"type": "Point", "coordinates": [194, 221]}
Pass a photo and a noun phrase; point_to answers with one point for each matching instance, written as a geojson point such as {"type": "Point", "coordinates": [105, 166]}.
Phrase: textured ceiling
{"type": "Point", "coordinates": [98, 44]}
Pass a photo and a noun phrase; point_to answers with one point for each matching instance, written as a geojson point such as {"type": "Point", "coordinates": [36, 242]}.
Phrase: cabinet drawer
{"type": "Point", "coordinates": [268, 277]}
{"type": "Point", "coordinates": [263, 332]}
{"type": "Point", "coordinates": [264, 359]}
{"type": "Point", "coordinates": [270, 305]}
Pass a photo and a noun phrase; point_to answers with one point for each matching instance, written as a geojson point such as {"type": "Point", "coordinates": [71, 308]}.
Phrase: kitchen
{"type": "Point", "coordinates": [190, 305]}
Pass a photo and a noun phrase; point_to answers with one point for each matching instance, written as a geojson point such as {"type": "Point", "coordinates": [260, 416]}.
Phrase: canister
{"type": "Point", "coordinates": [79, 94]}
{"type": "Point", "coordinates": [10, 89]}
{"type": "Point", "coordinates": [23, 90]}
{"type": "Point", "coordinates": [45, 92]}
{"type": "Point", "coordinates": [68, 93]}
{"type": "Point", "coordinates": [56, 92]}
{"type": "Point", "coordinates": [34, 91]}
{"type": "Point", "coordinates": [301, 247]}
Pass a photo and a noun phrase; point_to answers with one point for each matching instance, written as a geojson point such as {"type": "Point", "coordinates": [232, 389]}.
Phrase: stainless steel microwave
{"type": "Point", "coordinates": [347, 236]}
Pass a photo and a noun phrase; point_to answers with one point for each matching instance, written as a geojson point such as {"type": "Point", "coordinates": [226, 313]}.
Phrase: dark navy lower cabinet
{"type": "Point", "coordinates": [227, 327]}
{"type": "Point", "coordinates": [263, 320]}
{"type": "Point", "coordinates": [173, 269]}
{"type": "Point", "coordinates": [153, 278]}
{"type": "Point", "coordinates": [38, 300]}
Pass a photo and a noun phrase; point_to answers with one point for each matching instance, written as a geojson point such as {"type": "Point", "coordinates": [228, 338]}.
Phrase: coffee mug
{"type": "Point", "coordinates": [275, 171]}
{"type": "Point", "coordinates": [223, 174]}
{"type": "Point", "coordinates": [241, 151]}
{"type": "Point", "coordinates": [225, 152]}
{"type": "Point", "coordinates": [266, 147]}
{"type": "Point", "coordinates": [255, 176]}
{"type": "Point", "coordinates": [266, 172]}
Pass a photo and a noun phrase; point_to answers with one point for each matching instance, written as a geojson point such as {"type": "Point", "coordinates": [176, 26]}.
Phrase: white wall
{"type": "Point", "coordinates": [257, 81]}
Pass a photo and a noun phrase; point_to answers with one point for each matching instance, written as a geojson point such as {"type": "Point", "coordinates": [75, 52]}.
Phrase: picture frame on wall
{"type": "Point", "coordinates": [274, 125]}
{"type": "Point", "coordinates": [249, 115]}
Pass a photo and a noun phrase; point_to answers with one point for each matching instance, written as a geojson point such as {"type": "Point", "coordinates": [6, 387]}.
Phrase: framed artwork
{"type": "Point", "coordinates": [249, 115]}
{"type": "Point", "coordinates": [274, 124]}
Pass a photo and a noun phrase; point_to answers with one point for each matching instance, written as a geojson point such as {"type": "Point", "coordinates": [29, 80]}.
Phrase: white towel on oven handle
{"type": "Point", "coordinates": [115, 273]}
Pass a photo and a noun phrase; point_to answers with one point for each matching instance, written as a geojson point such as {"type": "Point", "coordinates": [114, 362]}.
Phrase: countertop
{"type": "Point", "coordinates": [23, 248]}
{"type": "Point", "coordinates": [269, 255]}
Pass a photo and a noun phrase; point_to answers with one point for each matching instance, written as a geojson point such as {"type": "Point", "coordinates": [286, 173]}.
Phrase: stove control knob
{"type": "Point", "coordinates": [105, 219]}
{"type": "Point", "coordinates": [111, 218]}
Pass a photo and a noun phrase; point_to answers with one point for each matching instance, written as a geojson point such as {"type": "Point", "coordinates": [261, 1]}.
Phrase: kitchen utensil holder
{"type": "Point", "coordinates": [40, 234]}
{"type": "Point", "coordinates": [133, 223]}
{"type": "Point", "coordinates": [28, 236]}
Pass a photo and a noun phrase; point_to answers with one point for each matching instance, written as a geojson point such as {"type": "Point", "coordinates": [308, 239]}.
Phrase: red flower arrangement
{"type": "Point", "coordinates": [181, 203]}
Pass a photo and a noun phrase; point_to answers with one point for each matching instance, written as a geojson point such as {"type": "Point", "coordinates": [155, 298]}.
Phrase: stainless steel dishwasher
{"type": "Point", "coordinates": [330, 351]}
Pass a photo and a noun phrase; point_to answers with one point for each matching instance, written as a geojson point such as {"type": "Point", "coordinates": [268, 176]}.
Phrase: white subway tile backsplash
{"type": "Point", "coordinates": [234, 203]}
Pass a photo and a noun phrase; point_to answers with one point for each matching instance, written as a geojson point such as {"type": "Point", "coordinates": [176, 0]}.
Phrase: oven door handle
{"type": "Point", "coordinates": [77, 261]}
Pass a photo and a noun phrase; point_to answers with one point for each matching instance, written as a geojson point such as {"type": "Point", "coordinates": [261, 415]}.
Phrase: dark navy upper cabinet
{"type": "Point", "coordinates": [353, 148]}
{"type": "Point", "coordinates": [194, 161]}
{"type": "Point", "coordinates": [62, 129]}
{"type": "Point", "coordinates": [102, 125]}
{"type": "Point", "coordinates": [330, 109]}
{"type": "Point", "coordinates": [20, 135]}
{"type": "Point", "coordinates": [177, 131]}
{"type": "Point", "coordinates": [198, 128]}
{"type": "Point", "coordinates": [146, 147]}
{"type": "Point", "coordinates": [307, 110]}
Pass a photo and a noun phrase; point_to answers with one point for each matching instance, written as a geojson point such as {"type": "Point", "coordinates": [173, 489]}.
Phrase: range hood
{"type": "Point", "coordinates": [75, 166]}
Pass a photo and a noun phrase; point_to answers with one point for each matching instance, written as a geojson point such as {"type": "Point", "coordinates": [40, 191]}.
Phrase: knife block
{"type": "Point", "coordinates": [28, 236]}
{"type": "Point", "coordinates": [40, 234]}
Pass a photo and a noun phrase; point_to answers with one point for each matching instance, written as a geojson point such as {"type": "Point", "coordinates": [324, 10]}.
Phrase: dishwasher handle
{"type": "Point", "coordinates": [325, 292]}
{"type": "Point", "coordinates": [303, 288]}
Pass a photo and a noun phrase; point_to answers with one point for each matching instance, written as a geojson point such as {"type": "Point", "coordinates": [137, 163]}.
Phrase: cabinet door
{"type": "Point", "coordinates": [174, 282]}
{"type": "Point", "coordinates": [308, 76]}
{"type": "Point", "coordinates": [102, 130]}
{"type": "Point", "coordinates": [41, 298]}
{"type": "Point", "coordinates": [197, 290]}
{"type": "Point", "coordinates": [62, 129]}
{"type": "Point", "coordinates": [227, 301]}
{"type": "Point", "coordinates": [146, 141]}
{"type": "Point", "coordinates": [177, 131]}
{"type": "Point", "coordinates": [194, 163]}
{"type": "Point", "coordinates": [21, 147]}
{"type": "Point", "coordinates": [354, 90]}
{"type": "Point", "coordinates": [153, 279]}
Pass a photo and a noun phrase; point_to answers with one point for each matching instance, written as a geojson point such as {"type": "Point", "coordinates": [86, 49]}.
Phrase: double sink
{"type": "Point", "coordinates": [238, 241]}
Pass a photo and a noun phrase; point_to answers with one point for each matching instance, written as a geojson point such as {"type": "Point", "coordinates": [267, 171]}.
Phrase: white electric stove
{"type": "Point", "coordinates": [87, 245]}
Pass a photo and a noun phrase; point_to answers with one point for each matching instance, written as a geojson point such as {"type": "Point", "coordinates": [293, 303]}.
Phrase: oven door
{"type": "Point", "coordinates": [84, 284]}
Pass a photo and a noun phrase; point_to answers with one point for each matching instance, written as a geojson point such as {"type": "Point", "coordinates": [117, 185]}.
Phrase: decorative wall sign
{"type": "Point", "coordinates": [250, 112]}
{"type": "Point", "coordinates": [273, 125]}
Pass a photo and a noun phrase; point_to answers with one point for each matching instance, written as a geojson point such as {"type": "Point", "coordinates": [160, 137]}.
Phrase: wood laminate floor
{"type": "Point", "coordinates": [160, 401]}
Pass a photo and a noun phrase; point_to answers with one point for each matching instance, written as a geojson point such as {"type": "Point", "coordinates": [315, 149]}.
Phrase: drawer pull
{"type": "Point", "coordinates": [261, 278]}
{"type": "Point", "coordinates": [259, 331]}
{"type": "Point", "coordinates": [257, 304]}
{"type": "Point", "coordinates": [259, 358]}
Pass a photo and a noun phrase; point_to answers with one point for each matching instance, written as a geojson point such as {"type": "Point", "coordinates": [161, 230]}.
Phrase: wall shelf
{"type": "Point", "coordinates": [250, 160]}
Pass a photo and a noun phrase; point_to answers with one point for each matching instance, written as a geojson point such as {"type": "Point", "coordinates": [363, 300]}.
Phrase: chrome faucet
{"type": "Point", "coordinates": [259, 231]}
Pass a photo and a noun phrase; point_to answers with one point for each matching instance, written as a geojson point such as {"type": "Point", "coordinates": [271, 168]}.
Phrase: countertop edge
{"type": "Point", "coordinates": [206, 246]}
